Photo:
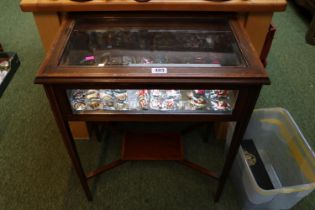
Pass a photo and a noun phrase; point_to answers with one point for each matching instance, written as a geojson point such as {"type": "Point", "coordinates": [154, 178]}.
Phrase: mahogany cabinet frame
{"type": "Point", "coordinates": [246, 80]}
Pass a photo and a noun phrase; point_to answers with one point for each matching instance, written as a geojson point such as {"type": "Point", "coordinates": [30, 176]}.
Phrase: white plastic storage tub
{"type": "Point", "coordinates": [288, 160]}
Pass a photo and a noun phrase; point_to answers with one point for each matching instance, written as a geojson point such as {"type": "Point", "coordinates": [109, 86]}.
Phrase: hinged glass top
{"type": "Point", "coordinates": [108, 43]}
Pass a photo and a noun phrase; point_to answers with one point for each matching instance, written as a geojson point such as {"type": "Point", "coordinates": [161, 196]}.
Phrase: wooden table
{"type": "Point", "coordinates": [254, 15]}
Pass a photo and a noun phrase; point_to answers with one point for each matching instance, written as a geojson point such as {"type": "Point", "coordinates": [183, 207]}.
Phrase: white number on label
{"type": "Point", "coordinates": [159, 70]}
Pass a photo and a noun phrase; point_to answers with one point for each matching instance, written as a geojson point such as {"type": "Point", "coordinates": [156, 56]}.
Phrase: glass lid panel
{"type": "Point", "coordinates": [152, 45]}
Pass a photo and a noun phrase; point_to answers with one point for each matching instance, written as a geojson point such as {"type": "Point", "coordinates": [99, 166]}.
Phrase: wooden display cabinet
{"type": "Point", "coordinates": [255, 16]}
{"type": "Point", "coordinates": [152, 67]}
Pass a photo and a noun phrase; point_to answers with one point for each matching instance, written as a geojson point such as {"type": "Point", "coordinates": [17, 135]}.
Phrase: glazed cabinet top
{"type": "Point", "coordinates": [154, 5]}
{"type": "Point", "coordinates": [132, 48]}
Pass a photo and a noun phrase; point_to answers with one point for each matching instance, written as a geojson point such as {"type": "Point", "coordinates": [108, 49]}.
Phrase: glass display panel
{"type": "Point", "coordinates": [85, 101]}
{"type": "Point", "coordinates": [155, 45]}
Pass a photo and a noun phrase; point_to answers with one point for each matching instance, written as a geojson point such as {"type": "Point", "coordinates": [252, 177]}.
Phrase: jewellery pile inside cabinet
{"type": "Point", "coordinates": [158, 100]}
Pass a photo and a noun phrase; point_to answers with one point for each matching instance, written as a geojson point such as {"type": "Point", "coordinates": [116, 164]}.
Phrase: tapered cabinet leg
{"type": "Point", "coordinates": [239, 132]}
{"type": "Point", "coordinates": [68, 141]}
{"type": "Point", "coordinates": [72, 151]}
{"type": "Point", "coordinates": [235, 143]}
{"type": "Point", "coordinates": [48, 25]}
{"type": "Point", "coordinates": [257, 26]}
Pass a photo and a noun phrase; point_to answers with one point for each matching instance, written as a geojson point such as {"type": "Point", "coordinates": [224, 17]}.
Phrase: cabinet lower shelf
{"type": "Point", "coordinates": [152, 146]}
{"type": "Point", "coordinates": [164, 146]}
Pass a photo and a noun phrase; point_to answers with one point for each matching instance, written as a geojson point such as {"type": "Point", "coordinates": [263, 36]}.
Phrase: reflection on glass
{"type": "Point", "coordinates": [150, 47]}
{"type": "Point", "coordinates": [145, 100]}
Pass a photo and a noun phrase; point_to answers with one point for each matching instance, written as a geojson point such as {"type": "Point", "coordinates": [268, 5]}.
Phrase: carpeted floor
{"type": "Point", "coordinates": [35, 172]}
